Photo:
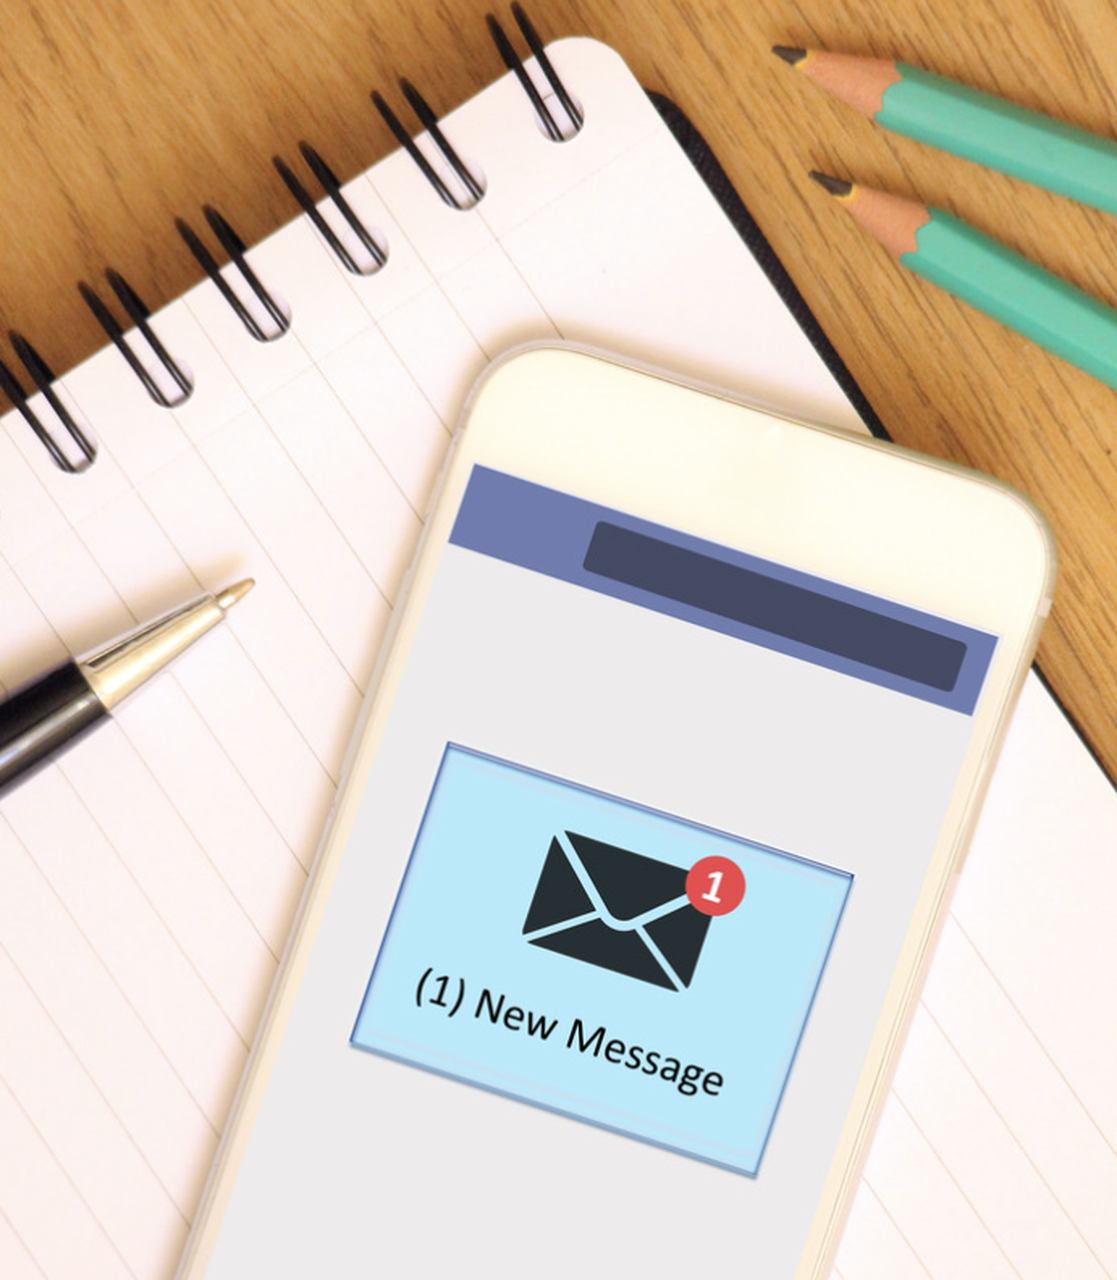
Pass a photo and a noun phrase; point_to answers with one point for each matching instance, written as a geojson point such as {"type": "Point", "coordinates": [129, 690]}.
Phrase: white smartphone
{"type": "Point", "coordinates": [646, 832]}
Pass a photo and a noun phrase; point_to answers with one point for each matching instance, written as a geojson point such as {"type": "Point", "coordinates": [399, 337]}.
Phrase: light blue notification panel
{"type": "Point", "coordinates": [549, 944]}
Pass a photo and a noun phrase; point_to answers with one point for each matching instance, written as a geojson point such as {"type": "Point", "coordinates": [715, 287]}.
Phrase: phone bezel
{"type": "Point", "coordinates": [884, 520]}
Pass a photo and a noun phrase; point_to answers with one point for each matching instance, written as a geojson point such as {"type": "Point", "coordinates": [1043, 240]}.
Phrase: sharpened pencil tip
{"type": "Point", "coordinates": [789, 54]}
{"type": "Point", "coordinates": [834, 186]}
{"type": "Point", "coordinates": [229, 597]}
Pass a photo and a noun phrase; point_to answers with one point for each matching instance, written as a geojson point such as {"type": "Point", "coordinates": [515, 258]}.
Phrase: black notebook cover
{"type": "Point", "coordinates": [709, 169]}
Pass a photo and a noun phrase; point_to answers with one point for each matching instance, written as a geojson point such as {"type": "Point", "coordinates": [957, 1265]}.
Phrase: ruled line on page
{"type": "Point", "coordinates": [875, 1245]}
{"type": "Point", "coordinates": [148, 1087]}
{"type": "Point", "coordinates": [924, 1204]}
{"type": "Point", "coordinates": [44, 1186]}
{"type": "Point", "coordinates": [953, 1179]}
{"type": "Point", "coordinates": [1053, 1116]}
{"type": "Point", "coordinates": [125, 1020]}
{"type": "Point", "coordinates": [17, 975]}
{"type": "Point", "coordinates": [16, 1260]}
{"type": "Point", "coordinates": [1035, 1039]}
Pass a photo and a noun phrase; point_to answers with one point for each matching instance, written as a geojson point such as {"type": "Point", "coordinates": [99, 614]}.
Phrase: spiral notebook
{"type": "Point", "coordinates": [150, 876]}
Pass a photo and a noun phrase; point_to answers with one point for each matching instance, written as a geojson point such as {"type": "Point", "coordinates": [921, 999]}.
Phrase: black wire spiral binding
{"type": "Point", "coordinates": [139, 314]}
{"type": "Point", "coordinates": [235, 247]}
{"type": "Point", "coordinates": [515, 64]}
{"type": "Point", "coordinates": [332, 187]}
{"type": "Point", "coordinates": [43, 378]}
{"type": "Point", "coordinates": [429, 121]}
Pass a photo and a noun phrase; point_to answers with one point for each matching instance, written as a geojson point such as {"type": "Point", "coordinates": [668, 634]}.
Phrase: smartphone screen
{"type": "Point", "coordinates": [613, 929]}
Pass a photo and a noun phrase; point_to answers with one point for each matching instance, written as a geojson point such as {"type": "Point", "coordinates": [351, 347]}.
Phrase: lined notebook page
{"type": "Point", "coordinates": [149, 877]}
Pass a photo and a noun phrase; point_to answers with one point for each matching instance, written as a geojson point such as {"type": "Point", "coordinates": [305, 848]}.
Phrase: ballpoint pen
{"type": "Point", "coordinates": [54, 710]}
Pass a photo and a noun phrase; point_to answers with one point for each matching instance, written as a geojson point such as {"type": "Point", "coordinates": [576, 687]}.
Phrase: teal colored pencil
{"type": "Point", "coordinates": [969, 123]}
{"type": "Point", "coordinates": [988, 275]}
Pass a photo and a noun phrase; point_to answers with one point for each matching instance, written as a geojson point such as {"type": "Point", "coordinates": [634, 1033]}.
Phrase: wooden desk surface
{"type": "Point", "coordinates": [117, 116]}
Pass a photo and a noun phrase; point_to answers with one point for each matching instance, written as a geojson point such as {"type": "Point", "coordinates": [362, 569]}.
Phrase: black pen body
{"type": "Point", "coordinates": [42, 717]}
{"type": "Point", "coordinates": [55, 710]}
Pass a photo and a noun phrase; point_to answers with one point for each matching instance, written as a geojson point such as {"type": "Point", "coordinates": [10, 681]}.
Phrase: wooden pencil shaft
{"type": "Point", "coordinates": [975, 125]}
{"type": "Point", "coordinates": [859, 82]}
{"type": "Point", "coordinates": [892, 220]}
{"type": "Point", "coordinates": [993, 278]}
{"type": "Point", "coordinates": [1020, 294]}
{"type": "Point", "coordinates": [1001, 135]}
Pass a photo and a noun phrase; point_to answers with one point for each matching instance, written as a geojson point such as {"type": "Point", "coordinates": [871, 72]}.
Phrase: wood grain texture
{"type": "Point", "coordinates": [118, 115]}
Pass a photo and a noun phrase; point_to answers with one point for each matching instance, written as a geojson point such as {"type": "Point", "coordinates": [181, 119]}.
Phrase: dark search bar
{"type": "Point", "coordinates": [796, 613]}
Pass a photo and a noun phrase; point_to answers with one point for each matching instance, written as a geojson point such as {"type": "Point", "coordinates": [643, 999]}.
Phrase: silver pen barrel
{"type": "Point", "coordinates": [118, 668]}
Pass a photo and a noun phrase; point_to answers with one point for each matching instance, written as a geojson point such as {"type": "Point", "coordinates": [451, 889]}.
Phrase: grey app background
{"type": "Point", "coordinates": [362, 1166]}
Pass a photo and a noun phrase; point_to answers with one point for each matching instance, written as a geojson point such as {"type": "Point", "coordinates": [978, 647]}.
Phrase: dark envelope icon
{"type": "Point", "coordinates": [618, 910]}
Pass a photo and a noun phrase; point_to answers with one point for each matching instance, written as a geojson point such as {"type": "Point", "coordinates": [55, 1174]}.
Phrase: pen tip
{"type": "Point", "coordinates": [229, 597]}
{"type": "Point", "coordinates": [835, 186]}
{"type": "Point", "coordinates": [791, 55]}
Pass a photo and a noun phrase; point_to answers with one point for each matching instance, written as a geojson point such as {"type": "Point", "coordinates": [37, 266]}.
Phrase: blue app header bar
{"type": "Point", "coordinates": [724, 590]}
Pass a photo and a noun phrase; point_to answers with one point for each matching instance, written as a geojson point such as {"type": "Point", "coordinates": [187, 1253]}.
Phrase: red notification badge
{"type": "Point", "coordinates": [715, 886]}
